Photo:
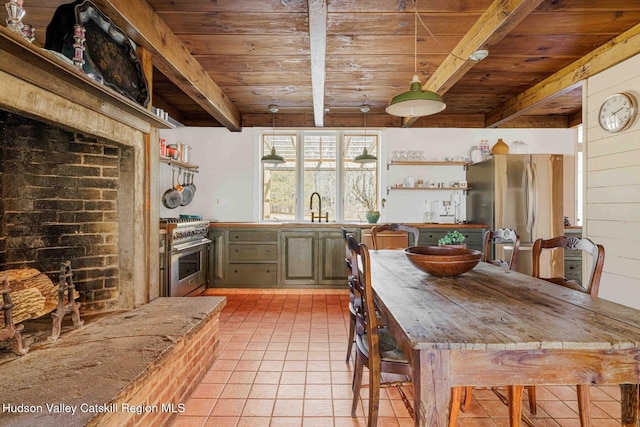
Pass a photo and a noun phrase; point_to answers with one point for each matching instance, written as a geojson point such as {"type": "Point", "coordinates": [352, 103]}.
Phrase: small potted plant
{"type": "Point", "coordinates": [364, 192]}
{"type": "Point", "coordinates": [453, 238]}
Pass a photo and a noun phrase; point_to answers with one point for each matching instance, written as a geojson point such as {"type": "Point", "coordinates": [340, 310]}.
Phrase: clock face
{"type": "Point", "coordinates": [617, 112]}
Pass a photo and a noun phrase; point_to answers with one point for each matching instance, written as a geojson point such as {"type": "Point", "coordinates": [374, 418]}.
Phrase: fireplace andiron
{"type": "Point", "coordinates": [10, 331]}
{"type": "Point", "coordinates": [66, 284]}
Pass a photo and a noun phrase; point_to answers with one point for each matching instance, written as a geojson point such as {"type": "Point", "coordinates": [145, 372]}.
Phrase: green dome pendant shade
{"type": "Point", "coordinates": [365, 157]}
{"type": "Point", "coordinates": [415, 102]}
{"type": "Point", "coordinates": [272, 157]}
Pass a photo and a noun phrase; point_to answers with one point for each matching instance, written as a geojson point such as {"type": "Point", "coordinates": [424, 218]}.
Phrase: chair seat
{"type": "Point", "coordinates": [389, 350]}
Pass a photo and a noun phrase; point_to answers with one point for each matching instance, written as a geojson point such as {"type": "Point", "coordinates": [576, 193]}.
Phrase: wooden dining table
{"type": "Point", "coordinates": [497, 327]}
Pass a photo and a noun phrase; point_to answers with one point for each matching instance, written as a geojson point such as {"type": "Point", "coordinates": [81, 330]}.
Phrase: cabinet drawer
{"type": "Point", "coordinates": [260, 252]}
{"type": "Point", "coordinates": [431, 237]}
{"type": "Point", "coordinates": [253, 236]}
{"type": "Point", "coordinates": [252, 274]}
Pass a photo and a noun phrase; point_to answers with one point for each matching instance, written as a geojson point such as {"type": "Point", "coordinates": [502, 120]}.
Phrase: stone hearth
{"type": "Point", "coordinates": [130, 368]}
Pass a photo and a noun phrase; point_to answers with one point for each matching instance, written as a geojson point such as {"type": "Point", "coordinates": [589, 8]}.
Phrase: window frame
{"type": "Point", "coordinates": [302, 206]}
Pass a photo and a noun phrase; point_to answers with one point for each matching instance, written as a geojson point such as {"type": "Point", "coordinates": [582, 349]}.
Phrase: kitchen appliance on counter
{"type": "Point", "coordinates": [446, 212]}
{"type": "Point", "coordinates": [523, 192]}
{"type": "Point", "coordinates": [186, 255]}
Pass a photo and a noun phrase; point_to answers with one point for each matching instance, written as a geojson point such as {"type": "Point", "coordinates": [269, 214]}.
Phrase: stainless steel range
{"type": "Point", "coordinates": [186, 256]}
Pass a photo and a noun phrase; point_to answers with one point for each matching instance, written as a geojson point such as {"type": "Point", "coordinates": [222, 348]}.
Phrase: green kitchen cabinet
{"type": "Point", "coordinates": [278, 257]}
{"type": "Point", "coordinates": [473, 236]}
{"type": "Point", "coordinates": [217, 257]}
{"type": "Point", "coordinates": [298, 264]}
{"type": "Point", "coordinates": [332, 253]}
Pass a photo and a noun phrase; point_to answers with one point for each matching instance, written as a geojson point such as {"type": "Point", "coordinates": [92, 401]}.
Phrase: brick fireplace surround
{"type": "Point", "coordinates": [130, 354]}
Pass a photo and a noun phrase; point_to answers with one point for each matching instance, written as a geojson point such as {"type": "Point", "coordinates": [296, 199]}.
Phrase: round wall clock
{"type": "Point", "coordinates": [617, 112]}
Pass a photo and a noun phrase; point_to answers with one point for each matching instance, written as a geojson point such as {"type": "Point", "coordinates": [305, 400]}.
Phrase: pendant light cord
{"type": "Point", "coordinates": [418, 17]}
{"type": "Point", "coordinates": [415, 40]}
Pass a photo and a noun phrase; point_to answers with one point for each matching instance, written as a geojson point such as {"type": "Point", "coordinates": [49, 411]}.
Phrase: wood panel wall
{"type": "Point", "coordinates": [612, 196]}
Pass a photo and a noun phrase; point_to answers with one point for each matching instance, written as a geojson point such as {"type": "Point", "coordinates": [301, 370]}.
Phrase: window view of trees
{"type": "Point", "coordinates": [319, 161]}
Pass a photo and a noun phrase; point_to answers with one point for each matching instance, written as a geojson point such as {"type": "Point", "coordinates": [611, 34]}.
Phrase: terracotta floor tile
{"type": "Point", "coordinates": [190, 421]}
{"type": "Point", "coordinates": [258, 408]}
{"type": "Point", "coordinates": [227, 407]}
{"type": "Point", "coordinates": [317, 422]}
{"type": "Point", "coordinates": [263, 391]}
{"type": "Point", "coordinates": [288, 408]}
{"type": "Point", "coordinates": [254, 422]}
{"type": "Point", "coordinates": [291, 391]}
{"type": "Point", "coordinates": [286, 422]}
{"type": "Point", "coordinates": [317, 391]}
{"type": "Point", "coordinates": [318, 408]}
{"type": "Point", "coordinates": [222, 422]}
{"type": "Point", "coordinates": [199, 407]}
{"type": "Point", "coordinates": [235, 391]}
{"type": "Point", "coordinates": [267, 377]}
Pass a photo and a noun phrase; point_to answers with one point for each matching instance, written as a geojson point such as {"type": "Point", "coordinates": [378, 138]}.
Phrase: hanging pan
{"type": "Point", "coordinates": [187, 190]}
{"type": "Point", "coordinates": [172, 198]}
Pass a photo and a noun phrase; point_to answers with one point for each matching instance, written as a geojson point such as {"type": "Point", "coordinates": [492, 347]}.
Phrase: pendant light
{"type": "Point", "coordinates": [365, 157]}
{"type": "Point", "coordinates": [415, 102]}
{"type": "Point", "coordinates": [272, 157]}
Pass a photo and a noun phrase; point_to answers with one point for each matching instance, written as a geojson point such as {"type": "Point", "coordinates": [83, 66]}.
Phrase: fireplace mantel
{"type": "Point", "coordinates": [43, 69]}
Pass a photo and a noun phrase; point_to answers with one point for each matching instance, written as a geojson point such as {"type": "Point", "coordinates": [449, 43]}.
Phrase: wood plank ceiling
{"type": "Point", "coordinates": [259, 52]}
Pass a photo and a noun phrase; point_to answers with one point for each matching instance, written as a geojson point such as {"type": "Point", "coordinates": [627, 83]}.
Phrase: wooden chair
{"type": "Point", "coordinates": [499, 235]}
{"type": "Point", "coordinates": [375, 230]}
{"type": "Point", "coordinates": [352, 296]}
{"type": "Point", "coordinates": [590, 286]}
{"type": "Point", "coordinates": [375, 346]}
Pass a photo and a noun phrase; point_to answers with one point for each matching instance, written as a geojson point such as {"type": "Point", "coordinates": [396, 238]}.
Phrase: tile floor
{"type": "Point", "coordinates": [282, 363]}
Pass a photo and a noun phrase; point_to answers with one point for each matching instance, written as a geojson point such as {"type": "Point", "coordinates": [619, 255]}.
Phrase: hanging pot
{"type": "Point", "coordinates": [193, 186]}
{"type": "Point", "coordinates": [172, 198]}
{"type": "Point", "coordinates": [187, 191]}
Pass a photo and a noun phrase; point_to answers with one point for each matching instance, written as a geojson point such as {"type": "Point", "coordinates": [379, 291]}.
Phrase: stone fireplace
{"type": "Point", "coordinates": [65, 197]}
{"type": "Point", "coordinates": [78, 171]}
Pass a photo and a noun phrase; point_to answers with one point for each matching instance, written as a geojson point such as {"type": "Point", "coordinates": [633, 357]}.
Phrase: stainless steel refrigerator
{"type": "Point", "coordinates": [523, 192]}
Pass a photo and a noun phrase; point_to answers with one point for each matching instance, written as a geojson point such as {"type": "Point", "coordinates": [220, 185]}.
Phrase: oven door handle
{"type": "Point", "coordinates": [189, 245]}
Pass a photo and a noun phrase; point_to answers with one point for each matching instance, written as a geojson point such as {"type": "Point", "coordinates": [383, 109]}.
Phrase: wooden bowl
{"type": "Point", "coordinates": [443, 260]}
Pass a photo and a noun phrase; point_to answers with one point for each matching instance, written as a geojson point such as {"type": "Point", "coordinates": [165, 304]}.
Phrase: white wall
{"type": "Point", "coordinates": [228, 181]}
{"type": "Point", "coordinates": [227, 177]}
{"type": "Point", "coordinates": [612, 197]}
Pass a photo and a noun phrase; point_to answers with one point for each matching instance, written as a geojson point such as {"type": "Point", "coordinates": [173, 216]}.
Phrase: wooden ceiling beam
{"type": "Point", "coordinates": [172, 58]}
{"type": "Point", "coordinates": [619, 49]}
{"type": "Point", "coordinates": [494, 24]}
{"type": "Point", "coordinates": [318, 48]}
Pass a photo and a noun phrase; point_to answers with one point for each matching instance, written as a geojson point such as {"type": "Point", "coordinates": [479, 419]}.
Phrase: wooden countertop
{"type": "Point", "coordinates": [332, 225]}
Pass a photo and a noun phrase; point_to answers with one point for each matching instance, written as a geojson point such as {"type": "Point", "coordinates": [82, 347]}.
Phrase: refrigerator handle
{"type": "Point", "coordinates": [530, 189]}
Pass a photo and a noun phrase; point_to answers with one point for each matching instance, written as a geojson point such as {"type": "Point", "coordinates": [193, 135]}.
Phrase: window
{"type": "Point", "coordinates": [322, 163]}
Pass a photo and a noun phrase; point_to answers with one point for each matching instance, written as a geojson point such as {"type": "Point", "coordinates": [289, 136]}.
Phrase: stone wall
{"type": "Point", "coordinates": [60, 201]}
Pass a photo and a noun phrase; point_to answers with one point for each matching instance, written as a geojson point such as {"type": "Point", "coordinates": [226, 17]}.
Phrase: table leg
{"type": "Point", "coordinates": [629, 401]}
{"type": "Point", "coordinates": [432, 390]}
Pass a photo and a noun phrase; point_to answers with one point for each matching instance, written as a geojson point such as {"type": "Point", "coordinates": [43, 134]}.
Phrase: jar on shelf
{"type": "Point", "coordinates": [476, 154]}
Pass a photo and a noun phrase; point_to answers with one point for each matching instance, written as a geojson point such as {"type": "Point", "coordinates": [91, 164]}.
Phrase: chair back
{"type": "Point", "coordinates": [366, 315]}
{"type": "Point", "coordinates": [596, 252]}
{"type": "Point", "coordinates": [501, 235]}
{"type": "Point", "coordinates": [392, 227]}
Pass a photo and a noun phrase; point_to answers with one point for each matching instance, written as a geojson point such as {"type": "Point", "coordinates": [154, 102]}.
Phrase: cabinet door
{"type": "Point", "coordinates": [217, 259]}
{"type": "Point", "coordinates": [299, 258]}
{"type": "Point", "coordinates": [332, 266]}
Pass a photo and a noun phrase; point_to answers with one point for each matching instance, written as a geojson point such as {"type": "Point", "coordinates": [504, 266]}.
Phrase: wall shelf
{"type": "Point", "coordinates": [414, 163]}
{"type": "Point", "coordinates": [177, 163]}
{"type": "Point", "coordinates": [464, 190]}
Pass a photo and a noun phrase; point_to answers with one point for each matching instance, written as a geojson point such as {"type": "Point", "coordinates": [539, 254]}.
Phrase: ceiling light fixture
{"type": "Point", "coordinates": [365, 157]}
{"type": "Point", "coordinates": [272, 157]}
{"type": "Point", "coordinates": [415, 102]}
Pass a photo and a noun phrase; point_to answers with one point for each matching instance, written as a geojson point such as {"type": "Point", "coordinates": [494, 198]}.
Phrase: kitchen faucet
{"type": "Point", "coordinates": [313, 216]}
